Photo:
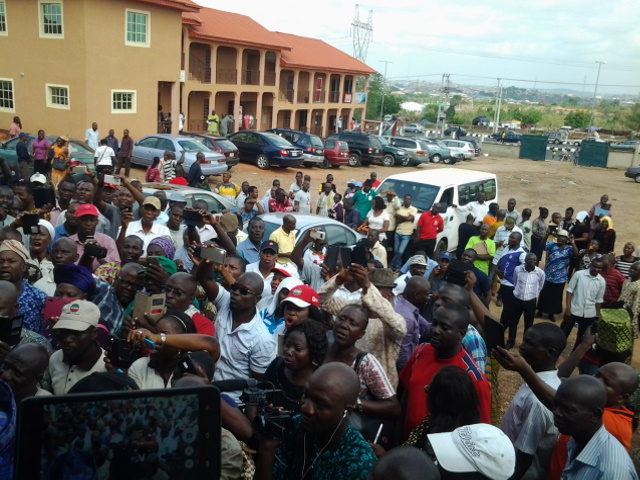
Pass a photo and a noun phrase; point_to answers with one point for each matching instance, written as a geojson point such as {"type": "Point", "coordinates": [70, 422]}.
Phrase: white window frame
{"type": "Point", "coordinates": [134, 102]}
{"type": "Point", "coordinates": [41, 3]}
{"type": "Point", "coordinates": [49, 96]}
{"type": "Point", "coordinates": [4, 32]}
{"type": "Point", "coordinates": [13, 95]}
{"type": "Point", "coordinates": [132, 43]}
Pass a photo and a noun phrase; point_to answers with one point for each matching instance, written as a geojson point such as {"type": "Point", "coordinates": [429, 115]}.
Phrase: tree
{"type": "Point", "coordinates": [577, 119]}
{"type": "Point", "coordinates": [633, 118]}
{"type": "Point", "coordinates": [451, 111]}
{"type": "Point", "coordinates": [531, 116]}
{"type": "Point", "coordinates": [374, 98]}
{"type": "Point", "coordinates": [430, 112]}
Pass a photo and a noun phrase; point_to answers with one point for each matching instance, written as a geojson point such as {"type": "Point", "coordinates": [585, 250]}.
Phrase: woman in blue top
{"type": "Point", "coordinates": [558, 258]}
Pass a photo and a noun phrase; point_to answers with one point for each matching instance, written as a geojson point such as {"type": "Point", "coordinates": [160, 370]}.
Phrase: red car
{"type": "Point", "coordinates": [336, 153]}
{"type": "Point", "coordinates": [220, 145]}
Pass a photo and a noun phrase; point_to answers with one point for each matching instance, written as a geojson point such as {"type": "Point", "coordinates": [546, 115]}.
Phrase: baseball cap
{"type": "Point", "coordinates": [22, 135]}
{"type": "Point", "coordinates": [358, 184]}
{"type": "Point", "coordinates": [153, 201]}
{"type": "Point", "coordinates": [510, 221]}
{"type": "Point", "coordinates": [351, 182]}
{"type": "Point", "coordinates": [418, 260]}
{"type": "Point", "coordinates": [303, 296]}
{"type": "Point", "coordinates": [282, 269]}
{"type": "Point", "coordinates": [87, 209]}
{"type": "Point", "coordinates": [562, 233]}
{"type": "Point", "coordinates": [78, 315]}
{"type": "Point", "coordinates": [269, 245]}
{"type": "Point", "coordinates": [445, 256]}
{"type": "Point", "coordinates": [479, 448]}
{"type": "Point", "coordinates": [38, 178]}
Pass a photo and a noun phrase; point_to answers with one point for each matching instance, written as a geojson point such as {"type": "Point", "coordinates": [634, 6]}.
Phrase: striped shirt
{"type": "Point", "coordinates": [528, 285]}
{"type": "Point", "coordinates": [529, 425]}
{"type": "Point", "coordinates": [474, 345]}
{"type": "Point", "coordinates": [603, 458]}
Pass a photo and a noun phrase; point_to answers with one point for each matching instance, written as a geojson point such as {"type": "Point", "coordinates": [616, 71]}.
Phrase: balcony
{"type": "Point", "coordinates": [303, 96]}
{"type": "Point", "coordinates": [270, 78]}
{"type": "Point", "coordinates": [227, 76]}
{"type": "Point", "coordinates": [348, 97]}
{"type": "Point", "coordinates": [334, 97]}
{"type": "Point", "coordinates": [285, 96]}
{"type": "Point", "coordinates": [319, 96]}
{"type": "Point", "coordinates": [251, 77]}
{"type": "Point", "coordinates": [200, 74]}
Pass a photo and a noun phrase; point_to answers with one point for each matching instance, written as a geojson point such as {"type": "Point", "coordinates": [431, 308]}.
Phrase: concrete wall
{"type": "Point", "coordinates": [623, 160]}
{"type": "Point", "coordinates": [499, 150]}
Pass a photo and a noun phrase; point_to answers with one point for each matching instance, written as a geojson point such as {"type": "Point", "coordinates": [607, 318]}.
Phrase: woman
{"type": "Point", "coordinates": [60, 161]}
{"type": "Point", "coordinates": [580, 230]}
{"type": "Point", "coordinates": [377, 218]}
{"type": "Point", "coordinates": [305, 346]}
{"type": "Point", "coordinates": [39, 246]}
{"type": "Point", "coordinates": [567, 222]}
{"type": "Point", "coordinates": [538, 231]}
{"type": "Point", "coordinates": [175, 335]}
{"type": "Point", "coordinates": [39, 149]}
{"type": "Point", "coordinates": [131, 251]}
{"type": "Point", "coordinates": [624, 261]}
{"type": "Point", "coordinates": [606, 235]}
{"type": "Point", "coordinates": [161, 247]}
{"type": "Point", "coordinates": [556, 270]}
{"type": "Point", "coordinates": [630, 296]}
{"type": "Point", "coordinates": [153, 172]}
{"type": "Point", "coordinates": [600, 209]}
{"type": "Point", "coordinates": [588, 255]}
{"type": "Point", "coordinates": [272, 315]}
{"type": "Point", "coordinates": [15, 128]}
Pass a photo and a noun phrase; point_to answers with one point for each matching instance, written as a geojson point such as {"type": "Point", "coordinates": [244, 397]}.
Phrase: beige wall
{"type": "Point", "coordinates": [92, 59]}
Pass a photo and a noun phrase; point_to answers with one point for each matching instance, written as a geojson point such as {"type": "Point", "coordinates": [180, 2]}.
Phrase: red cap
{"type": "Point", "coordinates": [281, 270]}
{"type": "Point", "coordinates": [87, 209]}
{"type": "Point", "coordinates": [303, 296]}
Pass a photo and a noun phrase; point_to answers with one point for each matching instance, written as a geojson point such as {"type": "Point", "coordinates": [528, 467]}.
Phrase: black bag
{"type": "Point", "coordinates": [59, 164]}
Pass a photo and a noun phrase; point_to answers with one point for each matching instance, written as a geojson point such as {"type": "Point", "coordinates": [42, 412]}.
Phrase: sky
{"type": "Point", "coordinates": [528, 44]}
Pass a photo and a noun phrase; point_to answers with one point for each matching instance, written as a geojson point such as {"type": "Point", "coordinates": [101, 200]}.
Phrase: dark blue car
{"type": "Point", "coordinates": [266, 149]}
{"type": "Point", "coordinates": [311, 145]}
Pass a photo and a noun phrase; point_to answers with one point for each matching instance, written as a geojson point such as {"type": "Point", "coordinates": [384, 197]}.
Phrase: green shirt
{"type": "Point", "coordinates": [482, 265]}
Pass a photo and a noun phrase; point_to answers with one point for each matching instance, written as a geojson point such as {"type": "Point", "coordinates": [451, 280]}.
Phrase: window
{"type": "Point", "coordinates": [51, 19]}
{"type": "Point", "coordinates": [123, 101]}
{"type": "Point", "coordinates": [149, 142]}
{"type": "Point", "coordinates": [468, 192]}
{"type": "Point", "coordinates": [137, 29]}
{"type": "Point", "coordinates": [57, 96]}
{"type": "Point", "coordinates": [165, 144]}
{"type": "Point", "coordinates": [3, 18]}
{"type": "Point", "coordinates": [6, 95]}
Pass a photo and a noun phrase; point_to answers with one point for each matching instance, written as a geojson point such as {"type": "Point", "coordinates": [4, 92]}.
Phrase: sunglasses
{"type": "Point", "coordinates": [243, 291]}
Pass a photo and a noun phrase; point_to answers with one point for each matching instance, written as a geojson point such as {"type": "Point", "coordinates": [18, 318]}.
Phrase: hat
{"type": "Point", "coordinates": [282, 269]}
{"type": "Point", "coordinates": [104, 382]}
{"type": "Point", "coordinates": [418, 260]}
{"type": "Point", "coordinates": [112, 187]}
{"type": "Point", "coordinates": [87, 209]}
{"type": "Point", "coordinates": [79, 277]}
{"type": "Point", "coordinates": [382, 278]}
{"type": "Point", "coordinates": [229, 222]}
{"type": "Point", "coordinates": [475, 448]}
{"type": "Point", "coordinates": [22, 135]}
{"type": "Point", "coordinates": [38, 178]}
{"type": "Point", "coordinates": [445, 256]}
{"type": "Point", "coordinates": [303, 296]}
{"type": "Point", "coordinates": [351, 182]}
{"type": "Point", "coordinates": [358, 184]}
{"type": "Point", "coordinates": [269, 244]}
{"type": "Point", "coordinates": [78, 315]}
{"type": "Point", "coordinates": [14, 246]}
{"type": "Point", "coordinates": [48, 226]}
{"type": "Point", "coordinates": [561, 232]}
{"type": "Point", "coordinates": [64, 138]}
{"type": "Point", "coordinates": [153, 201]}
{"type": "Point", "coordinates": [177, 197]}
{"type": "Point", "coordinates": [510, 221]}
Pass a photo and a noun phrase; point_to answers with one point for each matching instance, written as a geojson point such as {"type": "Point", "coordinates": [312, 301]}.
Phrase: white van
{"type": "Point", "coordinates": [447, 186]}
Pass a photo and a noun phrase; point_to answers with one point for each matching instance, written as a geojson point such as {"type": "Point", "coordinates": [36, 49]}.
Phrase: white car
{"type": "Point", "coordinates": [216, 203]}
{"type": "Point", "coordinates": [460, 148]}
{"type": "Point", "coordinates": [413, 128]}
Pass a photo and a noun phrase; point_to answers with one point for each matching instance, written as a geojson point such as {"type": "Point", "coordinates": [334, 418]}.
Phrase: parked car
{"type": "Point", "coordinates": [557, 137]}
{"type": "Point", "coordinates": [510, 137]}
{"type": "Point", "coordinates": [439, 152]}
{"type": "Point", "coordinates": [475, 144]}
{"type": "Point", "coordinates": [216, 203]}
{"type": "Point", "coordinates": [415, 147]}
{"type": "Point", "coordinates": [310, 144]}
{"type": "Point", "coordinates": [220, 145]}
{"type": "Point", "coordinates": [80, 151]}
{"type": "Point", "coordinates": [413, 128]}
{"type": "Point", "coordinates": [633, 172]}
{"type": "Point", "coordinates": [337, 233]}
{"type": "Point", "coordinates": [336, 153]}
{"type": "Point", "coordinates": [461, 148]}
{"type": "Point", "coordinates": [628, 145]}
{"type": "Point", "coordinates": [155, 145]}
{"type": "Point", "coordinates": [393, 155]}
{"type": "Point", "coordinates": [266, 149]}
{"type": "Point", "coordinates": [364, 149]}
{"type": "Point", "coordinates": [480, 122]}
{"type": "Point", "coordinates": [459, 131]}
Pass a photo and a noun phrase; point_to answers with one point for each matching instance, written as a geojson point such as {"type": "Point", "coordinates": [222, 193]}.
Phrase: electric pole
{"type": "Point", "coordinates": [386, 64]}
{"type": "Point", "coordinates": [441, 115]}
{"type": "Point", "coordinates": [595, 93]}
{"type": "Point", "coordinates": [496, 115]}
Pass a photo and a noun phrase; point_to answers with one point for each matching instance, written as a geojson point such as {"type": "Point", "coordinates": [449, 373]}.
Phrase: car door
{"type": "Point", "coordinates": [144, 151]}
{"type": "Point", "coordinates": [8, 150]}
{"type": "Point", "coordinates": [339, 235]}
{"type": "Point", "coordinates": [240, 141]}
{"type": "Point", "coordinates": [255, 146]}
{"type": "Point", "coordinates": [213, 204]}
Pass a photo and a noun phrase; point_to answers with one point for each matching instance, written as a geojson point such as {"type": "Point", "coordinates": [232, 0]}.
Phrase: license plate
{"type": "Point", "coordinates": [295, 154]}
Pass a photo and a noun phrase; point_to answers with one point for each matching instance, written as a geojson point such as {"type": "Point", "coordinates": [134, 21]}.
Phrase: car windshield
{"type": "Point", "coordinates": [192, 146]}
{"type": "Point", "coordinates": [375, 143]}
{"type": "Point", "coordinates": [279, 141]}
{"type": "Point", "coordinates": [315, 141]}
{"type": "Point", "coordinates": [383, 141]}
{"type": "Point", "coordinates": [226, 145]}
{"type": "Point", "coordinates": [422, 195]}
{"type": "Point", "coordinates": [425, 145]}
{"type": "Point", "coordinates": [79, 148]}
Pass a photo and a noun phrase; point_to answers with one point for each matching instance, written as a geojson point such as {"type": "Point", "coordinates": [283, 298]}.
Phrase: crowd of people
{"type": "Point", "coordinates": [387, 365]}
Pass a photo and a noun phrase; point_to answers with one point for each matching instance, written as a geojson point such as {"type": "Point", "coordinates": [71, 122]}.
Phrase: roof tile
{"type": "Point", "coordinates": [184, 5]}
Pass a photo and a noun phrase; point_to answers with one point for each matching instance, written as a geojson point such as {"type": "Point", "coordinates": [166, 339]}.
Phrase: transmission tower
{"type": "Point", "coordinates": [361, 33]}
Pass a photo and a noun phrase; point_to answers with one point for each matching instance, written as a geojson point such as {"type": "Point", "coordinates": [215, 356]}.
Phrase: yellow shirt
{"type": "Point", "coordinates": [406, 228]}
{"type": "Point", "coordinates": [285, 242]}
{"type": "Point", "coordinates": [230, 191]}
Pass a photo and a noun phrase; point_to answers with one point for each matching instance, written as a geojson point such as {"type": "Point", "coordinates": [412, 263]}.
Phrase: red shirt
{"type": "Point", "coordinates": [613, 280]}
{"type": "Point", "coordinates": [430, 225]}
{"type": "Point", "coordinates": [375, 184]}
{"type": "Point", "coordinates": [203, 325]}
{"type": "Point", "coordinates": [419, 371]}
{"type": "Point", "coordinates": [274, 206]}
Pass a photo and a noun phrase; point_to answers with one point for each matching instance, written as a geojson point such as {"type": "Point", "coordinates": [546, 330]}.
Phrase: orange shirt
{"type": "Point", "coordinates": [616, 421]}
{"type": "Point", "coordinates": [494, 228]}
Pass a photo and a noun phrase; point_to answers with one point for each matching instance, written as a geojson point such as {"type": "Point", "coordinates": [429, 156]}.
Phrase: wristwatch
{"type": "Point", "coordinates": [163, 339]}
{"type": "Point", "coordinates": [359, 405]}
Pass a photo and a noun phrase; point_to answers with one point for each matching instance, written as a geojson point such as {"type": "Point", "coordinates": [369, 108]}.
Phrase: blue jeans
{"type": "Point", "coordinates": [400, 243]}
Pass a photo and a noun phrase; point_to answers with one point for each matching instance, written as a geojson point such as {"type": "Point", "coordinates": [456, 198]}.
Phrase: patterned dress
{"type": "Point", "coordinates": [630, 296]}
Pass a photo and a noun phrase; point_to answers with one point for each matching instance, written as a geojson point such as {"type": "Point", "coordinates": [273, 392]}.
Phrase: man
{"type": "Point", "coordinates": [404, 217]}
{"type": "Point", "coordinates": [80, 355]}
{"type": "Point", "coordinates": [180, 290]}
{"type": "Point", "coordinates": [514, 256]}
{"type": "Point", "coordinates": [227, 188]}
{"type": "Point", "coordinates": [249, 249]}
{"type": "Point", "coordinates": [376, 248]}
{"type": "Point", "coordinates": [175, 225]}
{"type": "Point", "coordinates": [23, 369]}
{"type": "Point", "coordinates": [325, 201]}
{"type": "Point", "coordinates": [251, 208]}
{"type": "Point", "coordinates": [613, 280]}
{"type": "Point", "coordinates": [336, 449]}
{"type": "Point", "coordinates": [449, 326]}
{"type": "Point", "coordinates": [280, 202]}
{"type": "Point", "coordinates": [170, 165]}
{"type": "Point", "coordinates": [213, 122]}
{"type": "Point", "coordinates": [104, 158]}
{"type": "Point", "coordinates": [63, 252]}
{"type": "Point", "coordinates": [466, 230]}
{"type": "Point", "coordinates": [484, 247]}
{"type": "Point", "coordinates": [24, 191]}
{"type": "Point", "coordinates": [70, 225]}
{"type": "Point", "coordinates": [491, 216]}
{"type": "Point", "coordinates": [351, 189]}
{"type": "Point", "coordinates": [195, 176]}
{"type": "Point", "coordinates": [501, 239]}
{"type": "Point", "coordinates": [362, 200]}
{"type": "Point", "coordinates": [13, 258]}
{"type": "Point", "coordinates": [329, 180]}
{"type": "Point", "coordinates": [87, 217]}
{"type": "Point", "coordinates": [147, 228]}
{"type": "Point", "coordinates": [438, 277]}
{"type": "Point", "coordinates": [351, 215]}
{"type": "Point", "coordinates": [528, 280]}
{"type": "Point", "coordinates": [417, 267]}
{"type": "Point", "coordinates": [112, 141]}
{"type": "Point", "coordinates": [285, 238]}
{"type": "Point", "coordinates": [427, 230]}
{"type": "Point", "coordinates": [264, 266]}
{"type": "Point", "coordinates": [404, 463]}
{"type": "Point", "coordinates": [499, 221]}
{"type": "Point", "coordinates": [593, 452]}
{"type": "Point", "coordinates": [302, 199]}
{"type": "Point", "coordinates": [527, 422]}
{"type": "Point", "coordinates": [482, 287]}
{"type": "Point", "coordinates": [512, 212]}
{"type": "Point", "coordinates": [337, 211]}
{"type": "Point", "coordinates": [124, 154]}
{"type": "Point", "coordinates": [125, 287]}
{"type": "Point", "coordinates": [23, 156]}
{"type": "Point", "coordinates": [414, 300]}
{"type": "Point", "coordinates": [243, 195]}
{"type": "Point", "coordinates": [296, 186]}
{"type": "Point", "coordinates": [477, 208]}
{"type": "Point", "coordinates": [129, 199]}
{"type": "Point", "coordinates": [584, 297]}
{"type": "Point", "coordinates": [526, 228]}
{"type": "Point", "coordinates": [91, 136]}
{"type": "Point", "coordinates": [375, 183]}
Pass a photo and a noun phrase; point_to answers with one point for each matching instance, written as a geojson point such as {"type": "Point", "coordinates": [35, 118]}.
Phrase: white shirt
{"type": "Point", "coordinates": [401, 283]}
{"type": "Point", "coordinates": [304, 199]}
{"type": "Point", "coordinates": [528, 285]}
{"type": "Point", "coordinates": [157, 230]}
{"type": "Point", "coordinates": [146, 377]}
{"type": "Point", "coordinates": [91, 137]}
{"type": "Point", "coordinates": [295, 188]}
{"type": "Point", "coordinates": [255, 267]}
{"type": "Point", "coordinates": [502, 235]}
{"type": "Point", "coordinates": [103, 155]}
{"type": "Point", "coordinates": [586, 292]}
{"type": "Point", "coordinates": [478, 210]}
{"type": "Point", "coordinates": [529, 426]}
{"type": "Point", "coordinates": [64, 376]}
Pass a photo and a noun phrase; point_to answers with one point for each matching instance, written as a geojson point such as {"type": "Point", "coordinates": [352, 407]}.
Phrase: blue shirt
{"type": "Point", "coordinates": [508, 263]}
{"type": "Point", "coordinates": [22, 152]}
{"type": "Point", "coordinates": [31, 303]}
{"type": "Point", "coordinates": [195, 175]}
{"type": "Point", "coordinates": [557, 262]}
{"type": "Point", "coordinates": [60, 231]}
{"type": "Point", "coordinates": [248, 251]}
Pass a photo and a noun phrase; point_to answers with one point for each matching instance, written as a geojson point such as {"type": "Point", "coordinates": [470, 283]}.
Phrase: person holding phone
{"type": "Point", "coordinates": [87, 217]}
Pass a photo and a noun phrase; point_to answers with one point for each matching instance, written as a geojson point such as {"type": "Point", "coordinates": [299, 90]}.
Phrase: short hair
{"type": "Point", "coordinates": [316, 339]}
{"type": "Point", "coordinates": [544, 211]}
{"type": "Point", "coordinates": [252, 188]}
{"type": "Point", "coordinates": [517, 234]}
{"type": "Point", "coordinates": [243, 264]}
{"type": "Point", "coordinates": [205, 361]}
{"type": "Point", "coordinates": [458, 313]}
{"type": "Point", "coordinates": [28, 186]}
{"type": "Point", "coordinates": [552, 336]}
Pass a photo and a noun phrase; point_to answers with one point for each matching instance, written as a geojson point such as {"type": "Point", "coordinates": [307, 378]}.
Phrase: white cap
{"type": "Point", "coordinates": [78, 315]}
{"type": "Point", "coordinates": [38, 178]}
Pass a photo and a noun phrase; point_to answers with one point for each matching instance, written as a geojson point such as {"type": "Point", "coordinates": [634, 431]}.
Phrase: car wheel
{"type": "Point", "coordinates": [406, 162]}
{"type": "Point", "coordinates": [557, 142]}
{"type": "Point", "coordinates": [388, 161]}
{"type": "Point", "coordinates": [335, 165]}
{"type": "Point", "coordinates": [441, 247]}
{"type": "Point", "coordinates": [637, 178]}
{"type": "Point", "coordinates": [449, 161]}
{"type": "Point", "coordinates": [263, 162]}
{"type": "Point", "coordinates": [354, 160]}
{"type": "Point", "coordinates": [437, 158]}
{"type": "Point", "coordinates": [324, 163]}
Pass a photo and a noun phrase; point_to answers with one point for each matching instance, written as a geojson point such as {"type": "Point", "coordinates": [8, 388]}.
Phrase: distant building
{"type": "Point", "coordinates": [412, 107]}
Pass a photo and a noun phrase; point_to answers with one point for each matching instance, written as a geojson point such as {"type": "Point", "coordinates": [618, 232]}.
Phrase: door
{"type": "Point", "coordinates": [254, 146]}
{"type": "Point", "coordinates": [318, 93]}
{"type": "Point", "coordinates": [144, 151]}
{"type": "Point", "coordinates": [240, 141]}
{"type": "Point", "coordinates": [450, 215]}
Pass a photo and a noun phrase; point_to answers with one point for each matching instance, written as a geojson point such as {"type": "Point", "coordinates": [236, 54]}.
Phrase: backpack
{"type": "Point", "coordinates": [614, 330]}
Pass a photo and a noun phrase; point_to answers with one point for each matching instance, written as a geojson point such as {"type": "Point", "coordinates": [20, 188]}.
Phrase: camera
{"type": "Point", "coordinates": [270, 420]}
{"type": "Point", "coordinates": [95, 251]}
{"type": "Point", "coordinates": [122, 353]}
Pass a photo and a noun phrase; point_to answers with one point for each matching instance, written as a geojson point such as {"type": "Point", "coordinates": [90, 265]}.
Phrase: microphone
{"type": "Point", "coordinates": [235, 384]}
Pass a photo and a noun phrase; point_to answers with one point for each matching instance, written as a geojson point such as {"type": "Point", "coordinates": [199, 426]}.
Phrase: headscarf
{"type": "Point", "coordinates": [229, 222]}
{"type": "Point", "coordinates": [582, 216]}
{"type": "Point", "coordinates": [49, 227]}
{"type": "Point", "coordinates": [79, 277]}
{"type": "Point", "coordinates": [166, 244]}
{"type": "Point", "coordinates": [14, 246]}
{"type": "Point", "coordinates": [609, 222]}
{"type": "Point", "coordinates": [289, 283]}
{"type": "Point", "coordinates": [167, 265]}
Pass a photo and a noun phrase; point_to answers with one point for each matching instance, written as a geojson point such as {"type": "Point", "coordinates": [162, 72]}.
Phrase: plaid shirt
{"type": "Point", "coordinates": [475, 347]}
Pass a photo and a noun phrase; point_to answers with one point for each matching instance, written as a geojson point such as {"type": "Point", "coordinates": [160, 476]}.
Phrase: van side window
{"type": "Point", "coordinates": [468, 192]}
{"type": "Point", "coordinates": [447, 196]}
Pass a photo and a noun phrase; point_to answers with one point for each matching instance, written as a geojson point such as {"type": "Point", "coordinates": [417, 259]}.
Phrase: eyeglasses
{"type": "Point", "coordinates": [243, 291]}
{"type": "Point", "coordinates": [176, 293]}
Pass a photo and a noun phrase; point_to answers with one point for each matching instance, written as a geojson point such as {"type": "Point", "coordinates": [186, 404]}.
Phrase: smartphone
{"type": "Point", "coordinates": [53, 307]}
{"type": "Point", "coordinates": [359, 255]}
{"type": "Point", "coordinates": [111, 180]}
{"type": "Point", "coordinates": [331, 258]}
{"type": "Point", "coordinates": [11, 329]}
{"type": "Point", "coordinates": [152, 260]}
{"type": "Point", "coordinates": [456, 273]}
{"type": "Point", "coordinates": [126, 209]}
{"type": "Point", "coordinates": [154, 305]}
{"type": "Point", "coordinates": [43, 196]}
{"type": "Point", "coordinates": [197, 251]}
{"type": "Point", "coordinates": [345, 257]}
{"type": "Point", "coordinates": [186, 365]}
{"type": "Point", "coordinates": [79, 169]}
{"type": "Point", "coordinates": [30, 220]}
{"type": "Point", "coordinates": [215, 254]}
{"type": "Point", "coordinates": [95, 251]}
{"type": "Point", "coordinates": [318, 234]}
{"type": "Point", "coordinates": [149, 344]}
{"type": "Point", "coordinates": [192, 218]}
{"type": "Point", "coordinates": [122, 353]}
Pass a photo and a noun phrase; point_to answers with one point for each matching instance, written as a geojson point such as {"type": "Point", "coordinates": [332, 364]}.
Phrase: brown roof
{"type": "Point", "coordinates": [227, 27]}
{"type": "Point", "coordinates": [315, 54]}
{"type": "Point", "coordinates": [184, 5]}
